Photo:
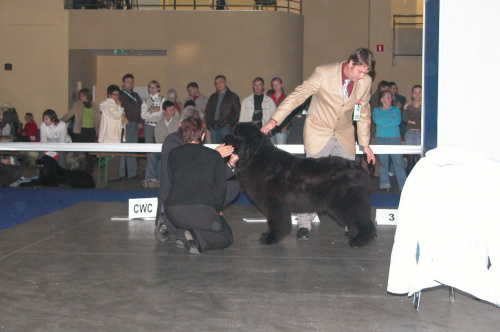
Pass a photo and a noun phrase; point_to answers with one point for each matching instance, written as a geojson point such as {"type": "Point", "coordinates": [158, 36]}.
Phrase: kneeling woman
{"type": "Point", "coordinates": [196, 198]}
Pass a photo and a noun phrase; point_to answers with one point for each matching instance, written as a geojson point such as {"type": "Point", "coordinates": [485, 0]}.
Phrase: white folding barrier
{"type": "Point", "coordinates": [143, 147]}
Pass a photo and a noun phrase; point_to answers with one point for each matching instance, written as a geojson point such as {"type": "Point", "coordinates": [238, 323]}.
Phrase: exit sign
{"type": "Point", "coordinates": [119, 52]}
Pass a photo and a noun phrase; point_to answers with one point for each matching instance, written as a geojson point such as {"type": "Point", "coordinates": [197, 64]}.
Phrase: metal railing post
{"type": "Point", "coordinates": [172, 5]}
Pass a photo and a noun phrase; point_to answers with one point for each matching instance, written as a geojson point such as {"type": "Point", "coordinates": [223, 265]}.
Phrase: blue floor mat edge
{"type": "Point", "coordinates": [23, 204]}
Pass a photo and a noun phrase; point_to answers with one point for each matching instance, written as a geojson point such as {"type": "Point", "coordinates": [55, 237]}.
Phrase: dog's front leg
{"type": "Point", "coordinates": [279, 222]}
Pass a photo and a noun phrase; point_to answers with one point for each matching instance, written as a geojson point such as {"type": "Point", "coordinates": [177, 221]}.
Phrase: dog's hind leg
{"type": "Point", "coordinates": [279, 222]}
{"type": "Point", "coordinates": [356, 216]}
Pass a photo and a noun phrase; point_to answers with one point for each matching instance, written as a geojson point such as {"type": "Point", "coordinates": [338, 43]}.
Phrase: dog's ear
{"type": "Point", "coordinates": [228, 139]}
{"type": "Point", "coordinates": [248, 133]}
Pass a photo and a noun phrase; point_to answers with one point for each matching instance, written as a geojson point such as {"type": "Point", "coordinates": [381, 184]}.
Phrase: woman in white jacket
{"type": "Point", "coordinates": [110, 130]}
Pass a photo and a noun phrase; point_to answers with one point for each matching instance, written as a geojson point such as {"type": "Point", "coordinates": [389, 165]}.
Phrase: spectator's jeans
{"type": "Point", "coordinates": [412, 137]}
{"type": "Point", "coordinates": [280, 137]}
{"type": "Point", "coordinates": [153, 166]}
{"type": "Point", "coordinates": [216, 135]}
{"type": "Point", "coordinates": [149, 133]}
{"type": "Point", "coordinates": [131, 136]}
{"type": "Point", "coordinates": [397, 161]}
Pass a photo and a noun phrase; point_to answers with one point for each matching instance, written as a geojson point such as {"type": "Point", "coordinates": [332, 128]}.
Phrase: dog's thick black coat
{"type": "Point", "coordinates": [280, 183]}
{"type": "Point", "coordinates": [52, 175]}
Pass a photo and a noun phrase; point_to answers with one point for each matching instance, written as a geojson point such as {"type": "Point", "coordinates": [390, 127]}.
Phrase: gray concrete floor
{"type": "Point", "coordinates": [76, 270]}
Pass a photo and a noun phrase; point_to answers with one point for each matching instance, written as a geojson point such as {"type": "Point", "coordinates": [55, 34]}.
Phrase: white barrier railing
{"type": "Point", "coordinates": [143, 147]}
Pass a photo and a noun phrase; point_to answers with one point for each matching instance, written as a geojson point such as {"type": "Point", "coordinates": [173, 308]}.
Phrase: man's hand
{"type": "Point", "coordinates": [268, 126]}
{"type": "Point", "coordinates": [370, 157]}
{"type": "Point", "coordinates": [225, 150]}
{"type": "Point", "coordinates": [156, 109]}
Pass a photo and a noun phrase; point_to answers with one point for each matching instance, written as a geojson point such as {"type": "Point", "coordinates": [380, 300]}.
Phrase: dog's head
{"type": "Point", "coordinates": [46, 162]}
{"type": "Point", "coordinates": [248, 139]}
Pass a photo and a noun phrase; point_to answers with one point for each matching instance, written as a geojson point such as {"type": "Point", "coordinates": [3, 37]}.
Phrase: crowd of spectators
{"type": "Point", "coordinates": [125, 117]}
{"type": "Point", "coordinates": [406, 115]}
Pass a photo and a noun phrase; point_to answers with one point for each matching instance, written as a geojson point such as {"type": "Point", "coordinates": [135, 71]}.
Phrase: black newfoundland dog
{"type": "Point", "coordinates": [52, 175]}
{"type": "Point", "coordinates": [280, 183]}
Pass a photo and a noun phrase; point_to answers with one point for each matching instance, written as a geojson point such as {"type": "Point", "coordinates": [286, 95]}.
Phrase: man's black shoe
{"type": "Point", "coordinates": [303, 234]}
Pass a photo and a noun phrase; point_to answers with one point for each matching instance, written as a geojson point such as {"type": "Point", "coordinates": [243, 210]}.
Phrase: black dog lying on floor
{"type": "Point", "coordinates": [52, 175]}
{"type": "Point", "coordinates": [280, 183]}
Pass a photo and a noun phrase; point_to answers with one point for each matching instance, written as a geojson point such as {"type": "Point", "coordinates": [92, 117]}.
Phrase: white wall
{"type": "Point", "coordinates": [469, 45]}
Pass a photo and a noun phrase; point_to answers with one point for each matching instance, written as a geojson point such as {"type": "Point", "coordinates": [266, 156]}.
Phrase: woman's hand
{"type": "Point", "coordinates": [224, 150]}
{"type": "Point", "coordinates": [234, 159]}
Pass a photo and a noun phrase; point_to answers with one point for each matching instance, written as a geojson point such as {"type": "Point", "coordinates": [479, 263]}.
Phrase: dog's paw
{"type": "Point", "coordinates": [267, 238]}
{"type": "Point", "coordinates": [360, 241]}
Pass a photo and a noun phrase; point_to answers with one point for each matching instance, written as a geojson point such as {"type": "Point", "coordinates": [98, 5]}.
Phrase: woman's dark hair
{"type": "Point", "coordinates": [51, 114]}
{"type": "Point", "coordinates": [112, 88]}
{"type": "Point", "coordinates": [193, 128]}
{"type": "Point", "coordinates": [383, 93]}
{"type": "Point", "coordinates": [86, 93]}
{"type": "Point", "coordinates": [30, 117]}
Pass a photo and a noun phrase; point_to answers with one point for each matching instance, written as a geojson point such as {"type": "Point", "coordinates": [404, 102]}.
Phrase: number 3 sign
{"type": "Point", "coordinates": [386, 217]}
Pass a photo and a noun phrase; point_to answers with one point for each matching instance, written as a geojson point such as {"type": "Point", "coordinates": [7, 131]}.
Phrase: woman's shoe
{"type": "Point", "coordinates": [193, 243]}
{"type": "Point", "coordinates": [161, 233]}
{"type": "Point", "coordinates": [193, 248]}
{"type": "Point", "coordinates": [180, 244]}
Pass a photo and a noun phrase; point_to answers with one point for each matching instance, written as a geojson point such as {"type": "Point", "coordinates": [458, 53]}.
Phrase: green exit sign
{"type": "Point", "coordinates": [119, 52]}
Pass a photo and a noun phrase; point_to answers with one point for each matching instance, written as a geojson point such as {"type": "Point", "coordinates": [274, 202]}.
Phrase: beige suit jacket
{"type": "Point", "coordinates": [328, 114]}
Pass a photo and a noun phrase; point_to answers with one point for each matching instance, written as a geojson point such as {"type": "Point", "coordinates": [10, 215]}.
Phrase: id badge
{"type": "Point", "coordinates": [356, 116]}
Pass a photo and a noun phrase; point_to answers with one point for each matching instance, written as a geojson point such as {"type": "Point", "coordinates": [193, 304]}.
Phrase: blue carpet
{"type": "Point", "coordinates": [23, 204]}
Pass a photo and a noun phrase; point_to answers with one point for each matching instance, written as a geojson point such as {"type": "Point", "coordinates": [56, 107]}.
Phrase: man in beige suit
{"type": "Point", "coordinates": [328, 130]}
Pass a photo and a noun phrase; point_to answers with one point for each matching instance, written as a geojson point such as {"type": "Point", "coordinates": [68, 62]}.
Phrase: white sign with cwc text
{"type": "Point", "coordinates": [142, 207]}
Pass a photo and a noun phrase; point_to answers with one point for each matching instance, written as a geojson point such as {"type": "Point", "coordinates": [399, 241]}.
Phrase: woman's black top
{"type": "Point", "coordinates": [198, 176]}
